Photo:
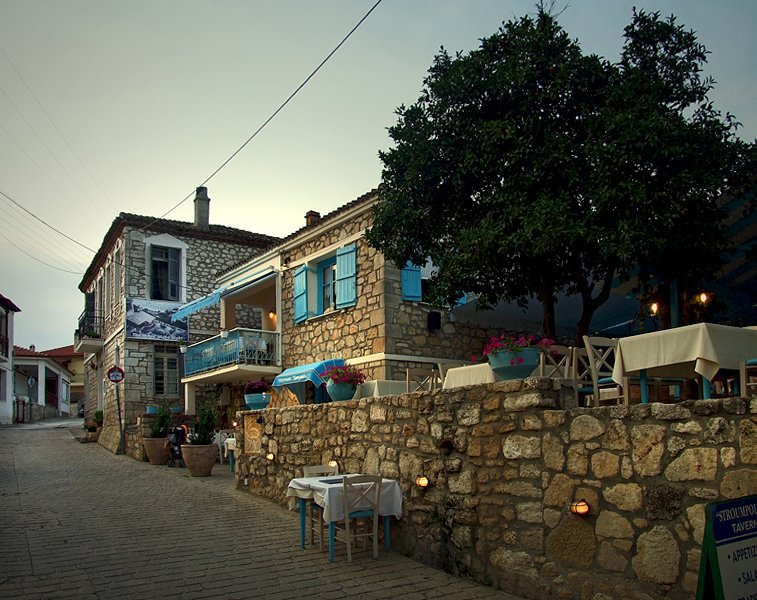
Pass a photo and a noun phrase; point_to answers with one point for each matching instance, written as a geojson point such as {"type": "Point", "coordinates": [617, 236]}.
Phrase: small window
{"type": "Point", "coordinates": [327, 285]}
{"type": "Point", "coordinates": [330, 284]}
{"type": "Point", "coordinates": [166, 375]}
{"type": "Point", "coordinates": [165, 273]}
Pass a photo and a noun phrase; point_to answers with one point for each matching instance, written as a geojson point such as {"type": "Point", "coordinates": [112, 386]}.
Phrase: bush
{"type": "Point", "coordinates": [99, 418]}
{"type": "Point", "coordinates": [207, 420]}
{"type": "Point", "coordinates": [159, 427]}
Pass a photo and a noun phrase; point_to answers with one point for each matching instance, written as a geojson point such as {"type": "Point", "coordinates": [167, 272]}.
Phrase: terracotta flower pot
{"type": "Point", "coordinates": [199, 458]}
{"type": "Point", "coordinates": [158, 450]}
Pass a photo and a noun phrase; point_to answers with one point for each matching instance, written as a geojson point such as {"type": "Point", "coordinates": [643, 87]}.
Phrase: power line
{"type": "Point", "coordinates": [280, 108]}
{"type": "Point", "coordinates": [35, 258]}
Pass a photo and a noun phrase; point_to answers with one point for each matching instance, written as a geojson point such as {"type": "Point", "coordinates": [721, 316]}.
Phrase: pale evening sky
{"type": "Point", "coordinates": [110, 106]}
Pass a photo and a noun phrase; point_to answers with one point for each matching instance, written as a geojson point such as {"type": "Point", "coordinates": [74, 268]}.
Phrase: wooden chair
{"type": "Point", "coordinates": [556, 362]}
{"type": "Point", "coordinates": [361, 517]}
{"type": "Point", "coordinates": [601, 354]}
{"type": "Point", "coordinates": [748, 378]}
{"type": "Point", "coordinates": [315, 517]}
{"type": "Point", "coordinates": [580, 367]}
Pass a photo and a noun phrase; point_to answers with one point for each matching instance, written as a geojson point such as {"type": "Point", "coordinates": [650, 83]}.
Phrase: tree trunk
{"type": "Point", "coordinates": [547, 298]}
{"type": "Point", "coordinates": [591, 304]}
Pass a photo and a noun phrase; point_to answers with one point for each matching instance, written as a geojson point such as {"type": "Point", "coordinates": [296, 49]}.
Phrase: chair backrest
{"type": "Point", "coordinates": [556, 362]}
{"type": "Point", "coordinates": [316, 470]}
{"type": "Point", "coordinates": [361, 493]}
{"type": "Point", "coordinates": [601, 351]}
{"type": "Point", "coordinates": [580, 367]}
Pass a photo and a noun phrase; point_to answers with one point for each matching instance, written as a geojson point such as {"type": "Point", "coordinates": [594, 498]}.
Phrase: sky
{"type": "Point", "coordinates": [111, 106]}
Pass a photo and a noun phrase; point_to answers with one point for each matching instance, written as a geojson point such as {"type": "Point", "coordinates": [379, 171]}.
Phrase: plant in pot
{"type": "Point", "coordinates": [200, 453]}
{"type": "Point", "coordinates": [155, 441]}
{"type": "Point", "coordinates": [99, 418]}
{"type": "Point", "coordinates": [256, 394]}
{"type": "Point", "coordinates": [515, 356]}
{"type": "Point", "coordinates": [342, 381]}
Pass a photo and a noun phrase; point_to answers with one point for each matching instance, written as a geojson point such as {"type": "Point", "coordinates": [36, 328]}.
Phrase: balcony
{"type": "Point", "coordinates": [250, 347]}
{"type": "Point", "coordinates": [88, 336]}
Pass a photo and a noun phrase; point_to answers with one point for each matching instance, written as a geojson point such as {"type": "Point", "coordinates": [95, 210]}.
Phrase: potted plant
{"type": "Point", "coordinates": [515, 356]}
{"type": "Point", "coordinates": [200, 453]}
{"type": "Point", "coordinates": [342, 381]}
{"type": "Point", "coordinates": [256, 396]}
{"type": "Point", "coordinates": [156, 440]}
{"type": "Point", "coordinates": [99, 418]}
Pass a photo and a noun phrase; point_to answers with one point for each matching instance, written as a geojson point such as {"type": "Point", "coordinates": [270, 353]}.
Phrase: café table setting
{"type": "Point", "coordinates": [328, 493]}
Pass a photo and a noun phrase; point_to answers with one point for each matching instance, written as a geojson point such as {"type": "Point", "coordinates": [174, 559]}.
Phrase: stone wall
{"type": "Point", "coordinates": [504, 463]}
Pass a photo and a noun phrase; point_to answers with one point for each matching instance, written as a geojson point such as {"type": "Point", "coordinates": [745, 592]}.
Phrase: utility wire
{"type": "Point", "coordinates": [35, 258]}
{"type": "Point", "coordinates": [279, 109]}
{"type": "Point", "coordinates": [46, 224]}
{"type": "Point", "coordinates": [55, 126]}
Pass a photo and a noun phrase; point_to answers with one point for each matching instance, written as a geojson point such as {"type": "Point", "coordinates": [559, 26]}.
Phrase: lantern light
{"type": "Point", "coordinates": [269, 456]}
{"type": "Point", "coordinates": [333, 463]}
{"type": "Point", "coordinates": [580, 507]}
{"type": "Point", "coordinates": [654, 307]}
{"type": "Point", "coordinates": [703, 297]}
{"type": "Point", "coordinates": [421, 481]}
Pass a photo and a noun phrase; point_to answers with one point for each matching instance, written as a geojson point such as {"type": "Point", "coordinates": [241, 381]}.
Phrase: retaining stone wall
{"type": "Point", "coordinates": [504, 462]}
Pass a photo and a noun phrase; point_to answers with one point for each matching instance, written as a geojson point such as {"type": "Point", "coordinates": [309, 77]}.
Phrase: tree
{"type": "Point", "coordinates": [527, 168]}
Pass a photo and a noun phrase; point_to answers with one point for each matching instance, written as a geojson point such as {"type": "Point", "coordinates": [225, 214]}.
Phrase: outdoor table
{"type": "Point", "coordinates": [229, 448]}
{"type": "Point", "coordinates": [702, 348]}
{"type": "Point", "coordinates": [382, 387]}
{"type": "Point", "coordinates": [327, 492]}
{"type": "Point", "coordinates": [468, 375]}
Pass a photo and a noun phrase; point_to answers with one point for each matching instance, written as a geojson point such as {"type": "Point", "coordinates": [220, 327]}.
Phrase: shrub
{"type": "Point", "coordinates": [159, 427]}
{"type": "Point", "coordinates": [205, 425]}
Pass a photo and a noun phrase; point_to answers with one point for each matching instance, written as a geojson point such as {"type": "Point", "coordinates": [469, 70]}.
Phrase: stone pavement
{"type": "Point", "coordinates": [79, 522]}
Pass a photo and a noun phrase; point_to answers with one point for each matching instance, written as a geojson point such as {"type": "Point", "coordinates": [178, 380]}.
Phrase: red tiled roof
{"type": "Point", "coordinates": [63, 351]}
{"type": "Point", "coordinates": [219, 233]}
{"type": "Point", "coordinates": [19, 351]}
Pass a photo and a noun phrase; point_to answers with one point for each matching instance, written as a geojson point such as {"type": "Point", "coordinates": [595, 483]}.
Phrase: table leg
{"type": "Point", "coordinates": [332, 536]}
{"type": "Point", "coordinates": [643, 386]}
{"type": "Point", "coordinates": [303, 514]}
{"type": "Point", "coordinates": [231, 462]}
{"type": "Point", "coordinates": [387, 533]}
{"type": "Point", "coordinates": [706, 388]}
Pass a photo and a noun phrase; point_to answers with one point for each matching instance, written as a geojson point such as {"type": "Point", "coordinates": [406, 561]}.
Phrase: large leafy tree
{"type": "Point", "coordinates": [526, 167]}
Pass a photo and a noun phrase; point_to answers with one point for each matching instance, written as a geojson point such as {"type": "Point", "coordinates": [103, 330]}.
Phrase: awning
{"type": "Point", "coordinates": [311, 372]}
{"type": "Point", "coordinates": [214, 297]}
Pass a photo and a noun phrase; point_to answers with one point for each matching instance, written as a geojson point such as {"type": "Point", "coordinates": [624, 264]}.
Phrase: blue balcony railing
{"type": "Point", "coordinates": [242, 346]}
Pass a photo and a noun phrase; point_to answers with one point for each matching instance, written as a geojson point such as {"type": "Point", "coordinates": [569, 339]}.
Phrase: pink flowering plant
{"type": "Point", "coordinates": [515, 344]}
{"type": "Point", "coordinates": [344, 374]}
{"type": "Point", "coordinates": [257, 387]}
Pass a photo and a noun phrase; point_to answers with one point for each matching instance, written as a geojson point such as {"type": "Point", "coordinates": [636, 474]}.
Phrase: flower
{"type": "Point", "coordinates": [257, 387]}
{"type": "Point", "coordinates": [344, 374]}
{"type": "Point", "coordinates": [515, 344]}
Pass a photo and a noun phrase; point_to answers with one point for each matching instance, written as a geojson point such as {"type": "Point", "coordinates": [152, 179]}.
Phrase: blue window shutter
{"type": "Point", "coordinates": [411, 283]}
{"type": "Point", "coordinates": [346, 276]}
{"type": "Point", "coordinates": [300, 294]}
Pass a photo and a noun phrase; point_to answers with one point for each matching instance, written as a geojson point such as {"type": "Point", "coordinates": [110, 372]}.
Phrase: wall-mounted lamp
{"type": "Point", "coordinates": [421, 481]}
{"type": "Point", "coordinates": [580, 507]}
{"type": "Point", "coordinates": [333, 463]}
{"type": "Point", "coordinates": [234, 424]}
{"type": "Point", "coordinates": [703, 297]}
{"type": "Point", "coordinates": [270, 456]}
{"type": "Point", "coordinates": [272, 314]}
{"type": "Point", "coordinates": [183, 348]}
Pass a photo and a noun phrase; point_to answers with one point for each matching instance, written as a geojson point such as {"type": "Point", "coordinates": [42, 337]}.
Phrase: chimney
{"type": "Point", "coordinates": [312, 217]}
{"type": "Point", "coordinates": [202, 208]}
{"type": "Point", "coordinates": [32, 347]}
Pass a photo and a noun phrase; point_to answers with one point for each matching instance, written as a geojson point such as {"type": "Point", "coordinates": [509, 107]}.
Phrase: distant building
{"type": "Point", "coordinates": [7, 400]}
{"type": "Point", "coordinates": [42, 386]}
{"type": "Point", "coordinates": [144, 270]}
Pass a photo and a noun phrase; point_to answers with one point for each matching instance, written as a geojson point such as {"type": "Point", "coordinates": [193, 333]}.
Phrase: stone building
{"type": "Point", "coordinates": [323, 293]}
{"type": "Point", "coordinates": [145, 269]}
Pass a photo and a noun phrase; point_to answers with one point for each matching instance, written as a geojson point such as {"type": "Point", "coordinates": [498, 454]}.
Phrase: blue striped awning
{"type": "Point", "coordinates": [214, 297]}
{"type": "Point", "coordinates": [310, 372]}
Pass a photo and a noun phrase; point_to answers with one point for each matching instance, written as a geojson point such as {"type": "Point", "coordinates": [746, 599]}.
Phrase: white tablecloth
{"type": "Point", "coordinates": [382, 387]}
{"type": "Point", "coordinates": [327, 491]}
{"type": "Point", "coordinates": [468, 375]}
{"type": "Point", "coordinates": [703, 348]}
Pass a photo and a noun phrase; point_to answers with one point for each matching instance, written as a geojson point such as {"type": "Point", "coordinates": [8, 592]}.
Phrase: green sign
{"type": "Point", "coordinates": [728, 569]}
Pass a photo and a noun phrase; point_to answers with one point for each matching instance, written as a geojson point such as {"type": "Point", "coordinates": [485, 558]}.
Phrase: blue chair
{"type": "Point", "coordinates": [315, 517]}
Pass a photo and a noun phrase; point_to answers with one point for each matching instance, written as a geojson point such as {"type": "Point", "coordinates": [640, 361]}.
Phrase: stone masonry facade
{"type": "Point", "coordinates": [504, 462]}
{"type": "Point", "coordinates": [205, 260]}
{"type": "Point", "coordinates": [380, 322]}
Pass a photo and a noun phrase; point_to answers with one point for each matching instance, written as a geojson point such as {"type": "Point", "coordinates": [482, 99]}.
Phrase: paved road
{"type": "Point", "coordinates": [78, 522]}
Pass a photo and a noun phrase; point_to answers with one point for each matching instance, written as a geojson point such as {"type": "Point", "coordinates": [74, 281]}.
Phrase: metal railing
{"type": "Point", "coordinates": [241, 346]}
{"type": "Point", "coordinates": [90, 325]}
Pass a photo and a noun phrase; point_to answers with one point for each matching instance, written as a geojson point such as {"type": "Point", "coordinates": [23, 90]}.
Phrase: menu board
{"type": "Point", "coordinates": [728, 569]}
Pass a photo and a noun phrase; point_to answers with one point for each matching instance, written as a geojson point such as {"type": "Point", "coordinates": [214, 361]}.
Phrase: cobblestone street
{"type": "Point", "coordinates": [79, 522]}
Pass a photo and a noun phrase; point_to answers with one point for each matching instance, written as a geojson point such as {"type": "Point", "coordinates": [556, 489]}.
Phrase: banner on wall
{"type": "Point", "coordinates": [151, 320]}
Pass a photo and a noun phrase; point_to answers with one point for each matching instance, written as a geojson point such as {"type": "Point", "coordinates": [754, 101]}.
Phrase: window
{"type": "Point", "coordinates": [328, 284]}
{"type": "Point", "coordinates": [165, 273]}
{"type": "Point", "coordinates": [117, 276]}
{"type": "Point", "coordinates": [416, 286]}
{"type": "Point", "coordinates": [166, 375]}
